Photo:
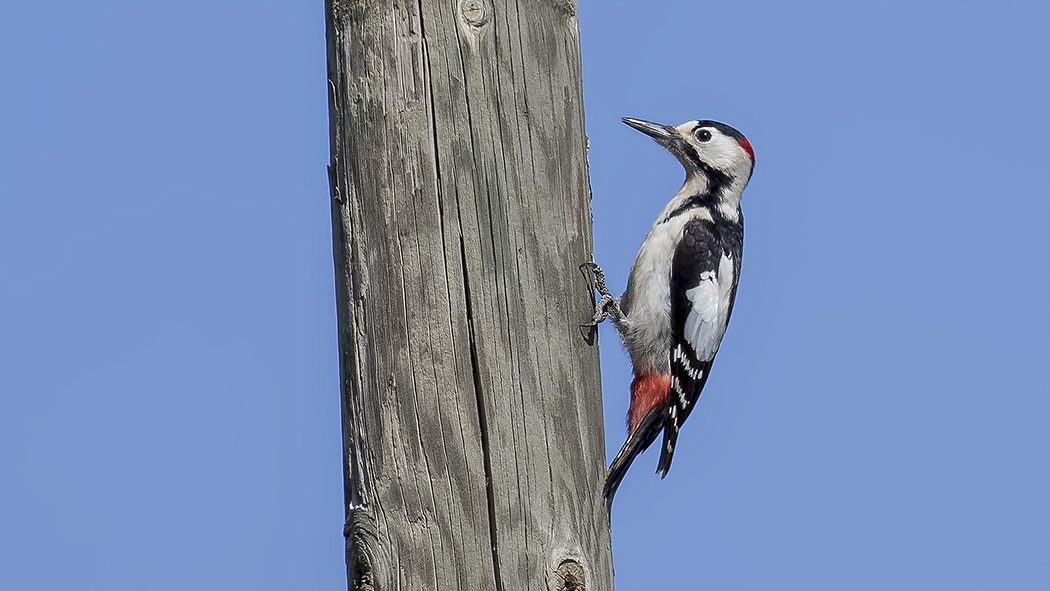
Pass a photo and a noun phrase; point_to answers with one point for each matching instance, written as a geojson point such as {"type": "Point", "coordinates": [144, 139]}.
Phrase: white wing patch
{"type": "Point", "coordinates": [706, 322]}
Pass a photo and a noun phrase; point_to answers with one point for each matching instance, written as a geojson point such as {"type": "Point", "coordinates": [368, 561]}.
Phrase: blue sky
{"type": "Point", "coordinates": [876, 418]}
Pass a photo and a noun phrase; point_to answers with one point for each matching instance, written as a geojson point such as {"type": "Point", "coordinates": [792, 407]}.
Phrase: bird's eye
{"type": "Point", "coordinates": [703, 135]}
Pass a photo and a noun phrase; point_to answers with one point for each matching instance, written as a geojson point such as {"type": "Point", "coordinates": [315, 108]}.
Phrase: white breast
{"type": "Point", "coordinates": [647, 330]}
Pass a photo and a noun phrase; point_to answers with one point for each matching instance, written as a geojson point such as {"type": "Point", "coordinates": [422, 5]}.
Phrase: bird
{"type": "Point", "coordinates": [681, 288]}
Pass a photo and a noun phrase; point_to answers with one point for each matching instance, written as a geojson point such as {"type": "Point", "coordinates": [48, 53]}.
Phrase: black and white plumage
{"type": "Point", "coordinates": [682, 286]}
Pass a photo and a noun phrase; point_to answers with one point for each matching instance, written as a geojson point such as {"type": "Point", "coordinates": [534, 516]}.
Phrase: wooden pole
{"type": "Point", "coordinates": [471, 401]}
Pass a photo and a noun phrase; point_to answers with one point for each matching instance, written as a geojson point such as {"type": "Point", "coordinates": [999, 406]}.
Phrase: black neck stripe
{"type": "Point", "coordinates": [708, 200]}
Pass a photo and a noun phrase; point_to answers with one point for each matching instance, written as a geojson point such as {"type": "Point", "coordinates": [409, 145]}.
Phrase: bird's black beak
{"type": "Point", "coordinates": [663, 134]}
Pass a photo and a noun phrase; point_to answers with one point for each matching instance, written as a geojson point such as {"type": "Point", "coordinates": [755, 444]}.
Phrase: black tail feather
{"type": "Point", "coordinates": [670, 440]}
{"type": "Point", "coordinates": [643, 437]}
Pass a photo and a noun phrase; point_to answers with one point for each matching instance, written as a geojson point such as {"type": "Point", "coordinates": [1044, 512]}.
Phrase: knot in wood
{"type": "Point", "coordinates": [475, 12]}
{"type": "Point", "coordinates": [569, 577]}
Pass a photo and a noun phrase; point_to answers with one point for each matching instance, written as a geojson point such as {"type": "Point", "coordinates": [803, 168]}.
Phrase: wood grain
{"type": "Point", "coordinates": [472, 418]}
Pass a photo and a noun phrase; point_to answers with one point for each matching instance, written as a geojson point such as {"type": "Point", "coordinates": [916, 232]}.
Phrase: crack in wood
{"type": "Point", "coordinates": [486, 455]}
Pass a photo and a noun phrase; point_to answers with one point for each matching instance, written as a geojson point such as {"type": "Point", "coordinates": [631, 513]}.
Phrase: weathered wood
{"type": "Point", "coordinates": [472, 421]}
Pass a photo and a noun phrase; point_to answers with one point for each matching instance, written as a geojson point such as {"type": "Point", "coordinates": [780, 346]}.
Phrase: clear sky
{"type": "Point", "coordinates": [876, 419]}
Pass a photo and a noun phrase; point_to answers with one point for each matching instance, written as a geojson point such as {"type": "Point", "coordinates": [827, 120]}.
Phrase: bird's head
{"type": "Point", "coordinates": [714, 154]}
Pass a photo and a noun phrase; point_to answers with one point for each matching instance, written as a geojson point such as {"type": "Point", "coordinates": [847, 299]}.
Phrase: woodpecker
{"type": "Point", "coordinates": [682, 286]}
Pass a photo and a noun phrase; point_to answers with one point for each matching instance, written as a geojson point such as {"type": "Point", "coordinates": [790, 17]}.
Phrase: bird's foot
{"type": "Point", "coordinates": [607, 306]}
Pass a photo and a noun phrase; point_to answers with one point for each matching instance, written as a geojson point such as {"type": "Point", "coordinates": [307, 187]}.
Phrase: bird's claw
{"type": "Point", "coordinates": [602, 306]}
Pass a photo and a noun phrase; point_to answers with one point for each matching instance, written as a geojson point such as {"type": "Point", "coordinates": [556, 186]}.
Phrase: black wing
{"type": "Point", "coordinates": [703, 284]}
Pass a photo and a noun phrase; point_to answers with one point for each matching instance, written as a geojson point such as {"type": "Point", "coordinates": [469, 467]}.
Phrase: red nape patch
{"type": "Point", "coordinates": [647, 392]}
{"type": "Point", "coordinates": [747, 146]}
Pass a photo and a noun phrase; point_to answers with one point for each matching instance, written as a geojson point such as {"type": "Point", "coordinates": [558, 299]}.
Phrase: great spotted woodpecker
{"type": "Point", "coordinates": [682, 285]}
